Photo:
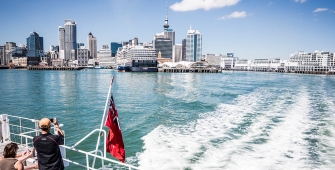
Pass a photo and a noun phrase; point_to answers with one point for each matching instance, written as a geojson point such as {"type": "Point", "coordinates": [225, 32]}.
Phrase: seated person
{"type": "Point", "coordinates": [10, 160]}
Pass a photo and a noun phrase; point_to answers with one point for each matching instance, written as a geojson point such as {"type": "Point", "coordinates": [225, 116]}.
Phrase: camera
{"type": "Point", "coordinates": [51, 120]}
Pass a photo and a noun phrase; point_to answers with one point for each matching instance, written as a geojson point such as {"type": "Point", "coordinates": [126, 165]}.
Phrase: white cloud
{"type": "Point", "coordinates": [191, 5]}
{"type": "Point", "coordinates": [320, 9]}
{"type": "Point", "coordinates": [300, 1]}
{"type": "Point", "coordinates": [235, 14]}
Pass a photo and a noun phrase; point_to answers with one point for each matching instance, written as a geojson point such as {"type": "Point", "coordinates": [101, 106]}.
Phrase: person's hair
{"type": "Point", "coordinates": [10, 150]}
{"type": "Point", "coordinates": [45, 128]}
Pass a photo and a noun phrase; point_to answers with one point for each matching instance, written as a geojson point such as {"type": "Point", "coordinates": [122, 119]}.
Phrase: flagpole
{"type": "Point", "coordinates": [102, 120]}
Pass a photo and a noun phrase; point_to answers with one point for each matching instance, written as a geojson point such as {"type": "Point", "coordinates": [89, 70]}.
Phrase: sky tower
{"type": "Point", "coordinates": [166, 24]}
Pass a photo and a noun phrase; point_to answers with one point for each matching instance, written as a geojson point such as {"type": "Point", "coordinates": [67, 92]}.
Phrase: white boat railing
{"type": "Point", "coordinates": [22, 134]}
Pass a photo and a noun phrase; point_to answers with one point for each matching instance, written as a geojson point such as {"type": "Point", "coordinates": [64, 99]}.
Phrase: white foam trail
{"type": "Point", "coordinates": [326, 145]}
{"type": "Point", "coordinates": [174, 147]}
{"type": "Point", "coordinates": [212, 142]}
{"type": "Point", "coordinates": [286, 147]}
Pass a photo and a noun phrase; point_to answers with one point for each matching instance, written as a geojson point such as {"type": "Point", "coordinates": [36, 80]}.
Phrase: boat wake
{"type": "Point", "coordinates": [265, 129]}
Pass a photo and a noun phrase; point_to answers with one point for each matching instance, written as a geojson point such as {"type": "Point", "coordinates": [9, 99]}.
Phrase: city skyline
{"type": "Point", "coordinates": [250, 29]}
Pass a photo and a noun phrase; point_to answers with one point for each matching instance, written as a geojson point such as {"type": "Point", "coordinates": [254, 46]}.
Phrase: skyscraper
{"type": "Point", "coordinates": [8, 51]}
{"type": "Point", "coordinates": [2, 55]}
{"type": "Point", "coordinates": [61, 37]}
{"type": "Point", "coordinates": [70, 40]}
{"type": "Point", "coordinates": [135, 41]}
{"type": "Point", "coordinates": [177, 53]}
{"type": "Point", "coordinates": [193, 45]}
{"type": "Point", "coordinates": [164, 46]}
{"type": "Point", "coordinates": [35, 49]}
{"type": "Point", "coordinates": [61, 41]}
{"type": "Point", "coordinates": [183, 53]}
{"type": "Point", "coordinates": [114, 47]}
{"type": "Point", "coordinates": [92, 46]}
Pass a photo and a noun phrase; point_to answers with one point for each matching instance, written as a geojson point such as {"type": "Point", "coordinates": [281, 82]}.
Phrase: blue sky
{"type": "Point", "coordinates": [249, 28]}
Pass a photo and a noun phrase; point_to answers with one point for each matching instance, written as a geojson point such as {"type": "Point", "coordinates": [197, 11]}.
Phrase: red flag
{"type": "Point", "coordinates": [114, 142]}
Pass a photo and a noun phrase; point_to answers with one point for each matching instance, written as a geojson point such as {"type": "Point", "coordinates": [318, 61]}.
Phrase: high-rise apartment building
{"type": "Point", "coordinates": [193, 45]}
{"type": "Point", "coordinates": [92, 46]}
{"type": "Point", "coordinates": [35, 49]}
{"type": "Point", "coordinates": [82, 54]}
{"type": "Point", "coordinates": [70, 41]}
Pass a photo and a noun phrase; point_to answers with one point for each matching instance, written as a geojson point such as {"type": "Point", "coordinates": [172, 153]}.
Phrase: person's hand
{"type": "Point", "coordinates": [55, 121]}
{"type": "Point", "coordinates": [29, 154]}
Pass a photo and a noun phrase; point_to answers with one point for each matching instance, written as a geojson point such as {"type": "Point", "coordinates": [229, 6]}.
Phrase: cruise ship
{"type": "Point", "coordinates": [144, 59]}
{"type": "Point", "coordinates": [141, 58]}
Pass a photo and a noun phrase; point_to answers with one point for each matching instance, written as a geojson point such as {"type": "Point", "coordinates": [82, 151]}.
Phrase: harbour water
{"type": "Point", "coordinates": [231, 120]}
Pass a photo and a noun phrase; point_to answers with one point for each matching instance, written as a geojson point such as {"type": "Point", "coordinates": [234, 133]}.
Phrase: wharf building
{"type": "Point", "coordinates": [54, 56]}
{"type": "Point", "coordinates": [228, 61]}
{"type": "Point", "coordinates": [6, 53]}
{"type": "Point", "coordinates": [19, 55]}
{"type": "Point", "coordinates": [299, 62]}
{"type": "Point", "coordinates": [214, 60]}
{"type": "Point", "coordinates": [92, 46]}
{"type": "Point", "coordinates": [193, 46]}
{"type": "Point", "coordinates": [105, 57]}
{"type": "Point", "coordinates": [35, 49]}
{"type": "Point", "coordinates": [315, 62]}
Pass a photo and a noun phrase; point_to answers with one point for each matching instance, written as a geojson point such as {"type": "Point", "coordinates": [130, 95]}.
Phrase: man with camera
{"type": "Point", "coordinates": [47, 146]}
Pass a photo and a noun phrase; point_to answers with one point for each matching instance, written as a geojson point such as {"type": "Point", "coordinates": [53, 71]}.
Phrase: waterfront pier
{"type": "Point", "coordinates": [326, 72]}
{"type": "Point", "coordinates": [189, 70]}
{"type": "Point", "coordinates": [53, 68]}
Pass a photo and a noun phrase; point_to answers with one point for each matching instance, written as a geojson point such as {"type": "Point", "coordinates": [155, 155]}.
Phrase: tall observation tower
{"type": "Point", "coordinates": [166, 24]}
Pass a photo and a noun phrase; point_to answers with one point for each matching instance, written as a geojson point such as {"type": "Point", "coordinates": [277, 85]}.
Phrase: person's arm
{"type": "Point", "coordinates": [59, 130]}
{"type": "Point", "coordinates": [25, 156]}
{"type": "Point", "coordinates": [18, 165]}
{"type": "Point", "coordinates": [31, 167]}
